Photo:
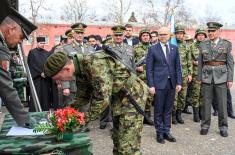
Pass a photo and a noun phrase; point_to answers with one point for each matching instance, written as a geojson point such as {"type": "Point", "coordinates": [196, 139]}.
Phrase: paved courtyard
{"type": "Point", "coordinates": [189, 141]}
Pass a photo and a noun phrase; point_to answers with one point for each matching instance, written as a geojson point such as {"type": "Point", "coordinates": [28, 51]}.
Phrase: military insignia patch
{"type": "Point", "coordinates": [5, 65]}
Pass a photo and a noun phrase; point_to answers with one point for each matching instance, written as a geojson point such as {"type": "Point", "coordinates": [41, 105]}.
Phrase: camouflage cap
{"type": "Point", "coordinates": [118, 29]}
{"type": "Point", "coordinates": [214, 25]}
{"type": "Point", "coordinates": [179, 28]}
{"type": "Point", "coordinates": [144, 30]}
{"type": "Point", "coordinates": [69, 33]}
{"type": "Point", "coordinates": [79, 27]}
{"type": "Point", "coordinates": [200, 31]}
{"type": "Point", "coordinates": [55, 63]}
{"type": "Point", "coordinates": [188, 37]}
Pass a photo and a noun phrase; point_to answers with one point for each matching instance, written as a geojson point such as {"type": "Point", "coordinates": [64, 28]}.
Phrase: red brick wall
{"type": "Point", "coordinates": [51, 30]}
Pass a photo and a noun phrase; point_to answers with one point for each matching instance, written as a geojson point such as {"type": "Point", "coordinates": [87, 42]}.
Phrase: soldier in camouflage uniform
{"type": "Point", "coordinates": [115, 75]}
{"type": "Point", "coordinates": [200, 36]}
{"type": "Point", "coordinates": [141, 50]}
{"type": "Point", "coordinates": [186, 62]}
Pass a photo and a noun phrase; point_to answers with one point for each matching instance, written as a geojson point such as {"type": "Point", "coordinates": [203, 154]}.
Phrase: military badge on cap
{"type": "Point", "coordinates": [214, 25]}
{"type": "Point", "coordinates": [79, 27]}
{"type": "Point", "coordinates": [118, 29]}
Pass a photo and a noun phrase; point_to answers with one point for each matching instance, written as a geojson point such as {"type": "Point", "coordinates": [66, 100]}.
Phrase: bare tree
{"type": "Point", "coordinates": [159, 14]}
{"type": "Point", "coordinates": [75, 10]}
{"type": "Point", "coordinates": [118, 9]}
{"type": "Point", "coordinates": [210, 15]}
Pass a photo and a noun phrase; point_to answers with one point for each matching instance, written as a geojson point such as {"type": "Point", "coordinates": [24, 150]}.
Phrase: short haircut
{"type": "Point", "coordinates": [91, 36]}
{"type": "Point", "coordinates": [128, 26]}
{"type": "Point", "coordinates": [154, 32]}
{"type": "Point", "coordinates": [8, 21]}
{"type": "Point", "coordinates": [98, 37]}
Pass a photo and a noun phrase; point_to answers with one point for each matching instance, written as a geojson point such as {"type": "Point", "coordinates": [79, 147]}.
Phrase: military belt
{"type": "Point", "coordinates": [214, 63]}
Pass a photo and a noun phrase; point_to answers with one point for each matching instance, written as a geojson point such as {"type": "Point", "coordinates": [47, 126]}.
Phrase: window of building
{"type": "Point", "coordinates": [46, 39]}
{"type": "Point", "coordinates": [57, 39]}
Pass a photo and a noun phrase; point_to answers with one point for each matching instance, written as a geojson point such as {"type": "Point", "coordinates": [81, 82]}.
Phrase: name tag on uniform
{"type": "Point", "coordinates": [5, 65]}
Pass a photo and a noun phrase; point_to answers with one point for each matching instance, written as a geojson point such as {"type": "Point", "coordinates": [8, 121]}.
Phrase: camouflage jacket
{"type": "Point", "coordinates": [185, 58]}
{"type": "Point", "coordinates": [141, 50]}
{"type": "Point", "coordinates": [195, 55]}
{"type": "Point", "coordinates": [108, 76]}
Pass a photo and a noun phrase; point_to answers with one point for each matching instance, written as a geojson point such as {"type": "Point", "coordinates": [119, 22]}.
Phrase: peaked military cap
{"type": "Point", "coordinates": [144, 30]}
{"type": "Point", "coordinates": [69, 33]}
{"type": "Point", "coordinates": [79, 27]}
{"type": "Point", "coordinates": [179, 28]}
{"type": "Point", "coordinates": [55, 63]}
{"type": "Point", "coordinates": [26, 26]}
{"type": "Point", "coordinates": [41, 39]}
{"type": "Point", "coordinates": [200, 31]}
{"type": "Point", "coordinates": [4, 9]}
{"type": "Point", "coordinates": [214, 25]}
{"type": "Point", "coordinates": [118, 29]}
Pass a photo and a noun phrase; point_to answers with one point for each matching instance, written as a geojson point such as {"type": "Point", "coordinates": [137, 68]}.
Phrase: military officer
{"type": "Point", "coordinates": [110, 80]}
{"type": "Point", "coordinates": [215, 72]}
{"type": "Point", "coordinates": [13, 29]}
{"type": "Point", "coordinates": [141, 50]}
{"type": "Point", "coordinates": [186, 62]}
{"type": "Point", "coordinates": [77, 46]}
{"type": "Point", "coordinates": [69, 34]}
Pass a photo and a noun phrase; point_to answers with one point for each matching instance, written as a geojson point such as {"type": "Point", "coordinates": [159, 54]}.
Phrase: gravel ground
{"type": "Point", "coordinates": [189, 141]}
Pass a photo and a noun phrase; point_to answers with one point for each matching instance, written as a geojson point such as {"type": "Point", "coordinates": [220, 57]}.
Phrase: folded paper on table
{"type": "Point", "coordinates": [20, 131]}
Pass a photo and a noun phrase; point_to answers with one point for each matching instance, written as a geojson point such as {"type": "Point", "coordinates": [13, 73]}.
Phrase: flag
{"type": "Point", "coordinates": [171, 26]}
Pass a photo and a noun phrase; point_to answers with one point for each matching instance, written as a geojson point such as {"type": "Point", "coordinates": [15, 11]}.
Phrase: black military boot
{"type": "Point", "coordinates": [196, 114]}
{"type": "Point", "coordinates": [148, 121]}
{"type": "Point", "coordinates": [186, 110]}
{"type": "Point", "coordinates": [178, 117]}
{"type": "Point", "coordinates": [215, 113]}
{"type": "Point", "coordinates": [174, 121]}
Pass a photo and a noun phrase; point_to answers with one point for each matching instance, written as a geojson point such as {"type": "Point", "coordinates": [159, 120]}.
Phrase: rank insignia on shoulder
{"type": "Point", "coordinates": [5, 65]}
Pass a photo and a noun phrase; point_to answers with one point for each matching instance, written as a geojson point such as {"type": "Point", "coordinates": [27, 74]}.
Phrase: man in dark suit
{"type": "Point", "coordinates": [164, 76]}
{"type": "Point", "coordinates": [129, 38]}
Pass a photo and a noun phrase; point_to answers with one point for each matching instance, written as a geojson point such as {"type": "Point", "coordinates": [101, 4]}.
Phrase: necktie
{"type": "Point", "coordinates": [167, 53]}
{"type": "Point", "coordinates": [213, 44]}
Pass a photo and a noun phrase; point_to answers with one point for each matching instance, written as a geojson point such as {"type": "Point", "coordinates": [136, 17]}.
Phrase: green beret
{"type": "Point", "coordinates": [79, 27]}
{"type": "Point", "coordinates": [144, 30]}
{"type": "Point", "coordinates": [200, 31]}
{"type": "Point", "coordinates": [118, 29]}
{"type": "Point", "coordinates": [214, 25]}
{"type": "Point", "coordinates": [55, 63]}
{"type": "Point", "coordinates": [69, 33]}
{"type": "Point", "coordinates": [179, 28]}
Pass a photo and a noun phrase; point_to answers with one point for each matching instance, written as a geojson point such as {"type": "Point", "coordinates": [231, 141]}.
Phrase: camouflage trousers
{"type": "Point", "coordinates": [148, 103]}
{"type": "Point", "coordinates": [126, 134]}
{"type": "Point", "coordinates": [180, 97]}
{"type": "Point", "coordinates": [196, 91]}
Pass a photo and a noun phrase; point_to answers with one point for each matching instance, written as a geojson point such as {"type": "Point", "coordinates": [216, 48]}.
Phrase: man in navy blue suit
{"type": "Point", "coordinates": [164, 77]}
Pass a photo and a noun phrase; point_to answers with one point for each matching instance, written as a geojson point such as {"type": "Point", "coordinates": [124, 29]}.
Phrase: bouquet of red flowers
{"type": "Point", "coordinates": [62, 121]}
